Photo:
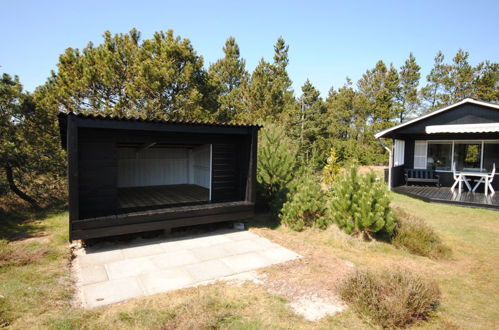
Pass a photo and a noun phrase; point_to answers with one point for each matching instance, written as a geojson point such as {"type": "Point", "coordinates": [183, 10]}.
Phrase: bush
{"type": "Point", "coordinates": [360, 205]}
{"type": "Point", "coordinates": [305, 205]}
{"type": "Point", "coordinates": [331, 169]}
{"type": "Point", "coordinates": [276, 166]}
{"type": "Point", "coordinates": [417, 237]}
{"type": "Point", "coordinates": [390, 299]}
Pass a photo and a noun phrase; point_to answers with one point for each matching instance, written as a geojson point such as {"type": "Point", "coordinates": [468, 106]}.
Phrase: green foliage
{"type": "Point", "coordinates": [305, 206]}
{"type": "Point", "coordinates": [414, 235]}
{"type": "Point", "coordinates": [360, 205]}
{"type": "Point", "coordinates": [276, 166]}
{"type": "Point", "coordinates": [162, 76]}
{"type": "Point", "coordinates": [267, 95]}
{"type": "Point", "coordinates": [391, 298]}
{"type": "Point", "coordinates": [332, 168]}
{"type": "Point", "coordinates": [229, 75]}
{"type": "Point", "coordinates": [31, 161]}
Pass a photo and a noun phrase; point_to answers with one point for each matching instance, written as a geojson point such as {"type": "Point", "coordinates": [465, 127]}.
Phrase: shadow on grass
{"type": "Point", "coordinates": [264, 220]}
{"type": "Point", "coordinates": [20, 224]}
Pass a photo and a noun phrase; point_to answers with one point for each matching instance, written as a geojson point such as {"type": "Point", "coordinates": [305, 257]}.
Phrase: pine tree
{"type": "Point", "coordinates": [31, 160]}
{"type": "Point", "coordinates": [331, 169]}
{"type": "Point", "coordinates": [268, 95]}
{"type": "Point", "coordinates": [361, 206]}
{"type": "Point", "coordinates": [459, 84]}
{"type": "Point", "coordinates": [228, 75]}
{"type": "Point", "coordinates": [486, 83]}
{"type": "Point", "coordinates": [434, 93]}
{"type": "Point", "coordinates": [308, 123]}
{"type": "Point", "coordinates": [276, 166]}
{"type": "Point", "coordinates": [162, 76]}
{"type": "Point", "coordinates": [305, 206]}
{"type": "Point", "coordinates": [408, 94]}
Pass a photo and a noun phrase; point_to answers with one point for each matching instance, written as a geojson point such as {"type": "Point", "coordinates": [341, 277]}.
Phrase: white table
{"type": "Point", "coordinates": [463, 176]}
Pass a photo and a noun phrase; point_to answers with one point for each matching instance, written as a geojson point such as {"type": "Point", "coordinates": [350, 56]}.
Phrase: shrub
{"type": "Point", "coordinates": [360, 205]}
{"type": "Point", "coordinates": [417, 237]}
{"type": "Point", "coordinates": [332, 168]}
{"type": "Point", "coordinates": [305, 205]}
{"type": "Point", "coordinates": [276, 166]}
{"type": "Point", "coordinates": [390, 299]}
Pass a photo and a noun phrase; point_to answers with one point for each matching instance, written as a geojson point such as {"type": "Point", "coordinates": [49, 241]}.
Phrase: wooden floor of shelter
{"type": "Point", "coordinates": [146, 198]}
{"type": "Point", "coordinates": [445, 195]}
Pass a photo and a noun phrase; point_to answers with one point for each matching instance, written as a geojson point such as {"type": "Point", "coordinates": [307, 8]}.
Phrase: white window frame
{"type": "Point", "coordinates": [424, 156]}
{"type": "Point", "coordinates": [452, 155]}
{"type": "Point", "coordinates": [399, 152]}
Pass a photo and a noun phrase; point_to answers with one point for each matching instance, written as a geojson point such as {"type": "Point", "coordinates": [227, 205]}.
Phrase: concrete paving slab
{"type": "Point", "coordinates": [130, 267]}
{"type": "Point", "coordinates": [107, 276]}
{"type": "Point", "coordinates": [208, 270]}
{"type": "Point", "coordinates": [247, 261]}
{"type": "Point", "coordinates": [279, 254]}
{"type": "Point", "coordinates": [166, 280]}
{"type": "Point", "coordinates": [212, 252]}
{"type": "Point", "coordinates": [92, 274]}
{"type": "Point", "coordinates": [174, 259]}
{"type": "Point", "coordinates": [110, 292]}
{"type": "Point", "coordinates": [100, 258]}
{"type": "Point", "coordinates": [142, 251]}
{"type": "Point", "coordinates": [240, 235]}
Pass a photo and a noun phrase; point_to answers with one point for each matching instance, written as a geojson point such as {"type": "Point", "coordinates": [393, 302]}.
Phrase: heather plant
{"type": "Point", "coordinates": [391, 299]}
{"type": "Point", "coordinates": [417, 237]}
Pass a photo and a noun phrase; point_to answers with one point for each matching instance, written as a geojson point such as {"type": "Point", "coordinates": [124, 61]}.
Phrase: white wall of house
{"type": "Point", "coordinates": [164, 166]}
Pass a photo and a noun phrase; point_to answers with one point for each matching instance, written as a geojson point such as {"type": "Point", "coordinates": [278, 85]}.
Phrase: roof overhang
{"type": "Point", "coordinates": [468, 100]}
{"type": "Point", "coordinates": [463, 128]}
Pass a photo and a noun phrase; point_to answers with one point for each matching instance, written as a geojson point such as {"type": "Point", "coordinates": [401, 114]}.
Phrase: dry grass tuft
{"type": "Point", "coordinates": [390, 298]}
{"type": "Point", "coordinates": [414, 235]}
{"type": "Point", "coordinates": [17, 255]}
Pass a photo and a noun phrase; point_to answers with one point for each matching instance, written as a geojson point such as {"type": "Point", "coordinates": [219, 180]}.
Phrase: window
{"type": "Point", "coordinates": [439, 156]}
{"type": "Point", "coordinates": [420, 154]}
{"type": "Point", "coordinates": [468, 155]}
{"type": "Point", "coordinates": [490, 155]}
{"type": "Point", "coordinates": [398, 155]}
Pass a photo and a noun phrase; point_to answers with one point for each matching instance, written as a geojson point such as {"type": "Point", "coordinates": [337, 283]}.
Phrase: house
{"type": "Point", "coordinates": [461, 137]}
{"type": "Point", "coordinates": [129, 175]}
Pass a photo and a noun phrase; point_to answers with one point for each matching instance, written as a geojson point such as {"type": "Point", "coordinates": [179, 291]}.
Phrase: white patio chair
{"type": "Point", "coordinates": [490, 178]}
{"type": "Point", "coordinates": [456, 178]}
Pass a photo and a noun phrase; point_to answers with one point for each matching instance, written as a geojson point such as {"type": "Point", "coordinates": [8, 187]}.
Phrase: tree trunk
{"type": "Point", "coordinates": [13, 187]}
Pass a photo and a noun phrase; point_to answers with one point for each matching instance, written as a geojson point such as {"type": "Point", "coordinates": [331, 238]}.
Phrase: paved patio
{"type": "Point", "coordinates": [116, 273]}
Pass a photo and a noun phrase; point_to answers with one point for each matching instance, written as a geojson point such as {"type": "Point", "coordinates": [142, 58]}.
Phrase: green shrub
{"type": "Point", "coordinates": [305, 206]}
{"type": "Point", "coordinates": [390, 298]}
{"type": "Point", "coordinates": [276, 166]}
{"type": "Point", "coordinates": [417, 237]}
{"type": "Point", "coordinates": [360, 205]}
{"type": "Point", "coordinates": [331, 169]}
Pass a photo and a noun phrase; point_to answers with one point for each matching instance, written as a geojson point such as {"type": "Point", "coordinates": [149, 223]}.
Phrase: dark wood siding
{"type": "Point", "coordinates": [92, 145]}
{"type": "Point", "coordinates": [464, 114]}
{"type": "Point", "coordinates": [225, 173]}
{"type": "Point", "coordinates": [97, 174]}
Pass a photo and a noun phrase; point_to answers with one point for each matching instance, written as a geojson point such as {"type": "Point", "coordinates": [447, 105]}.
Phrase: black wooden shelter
{"type": "Point", "coordinates": [130, 175]}
{"type": "Point", "coordinates": [463, 136]}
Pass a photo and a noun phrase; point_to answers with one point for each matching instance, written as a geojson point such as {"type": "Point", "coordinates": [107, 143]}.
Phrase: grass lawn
{"type": "Point", "coordinates": [36, 288]}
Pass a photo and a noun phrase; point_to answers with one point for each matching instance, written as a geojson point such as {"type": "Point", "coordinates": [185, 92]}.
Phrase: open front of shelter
{"type": "Point", "coordinates": [131, 175]}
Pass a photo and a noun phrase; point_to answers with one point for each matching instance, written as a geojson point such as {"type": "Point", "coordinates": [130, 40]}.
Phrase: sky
{"type": "Point", "coordinates": [328, 40]}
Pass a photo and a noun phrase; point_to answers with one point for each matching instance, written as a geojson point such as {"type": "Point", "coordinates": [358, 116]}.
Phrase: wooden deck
{"type": "Point", "coordinates": [155, 197]}
{"type": "Point", "coordinates": [445, 195]}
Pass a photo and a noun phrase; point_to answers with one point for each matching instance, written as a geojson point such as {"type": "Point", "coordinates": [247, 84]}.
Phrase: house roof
{"type": "Point", "coordinates": [93, 115]}
{"type": "Point", "coordinates": [463, 128]}
{"type": "Point", "coordinates": [455, 105]}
